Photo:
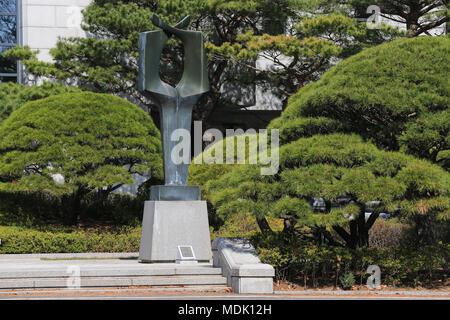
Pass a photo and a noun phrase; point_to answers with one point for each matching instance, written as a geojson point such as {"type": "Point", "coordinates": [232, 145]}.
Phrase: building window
{"type": "Point", "coordinates": [9, 37]}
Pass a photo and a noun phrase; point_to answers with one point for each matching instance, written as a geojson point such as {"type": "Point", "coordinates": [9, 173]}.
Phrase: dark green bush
{"type": "Point", "coordinates": [116, 209]}
{"type": "Point", "coordinates": [40, 208]}
{"type": "Point", "coordinates": [307, 263]}
{"type": "Point", "coordinates": [27, 209]}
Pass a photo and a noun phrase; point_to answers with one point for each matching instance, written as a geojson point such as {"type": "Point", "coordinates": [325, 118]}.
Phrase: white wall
{"type": "Point", "coordinates": [43, 21]}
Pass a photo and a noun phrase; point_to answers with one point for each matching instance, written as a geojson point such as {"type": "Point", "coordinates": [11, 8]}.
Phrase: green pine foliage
{"type": "Point", "coordinates": [236, 33]}
{"type": "Point", "coordinates": [395, 95]}
{"type": "Point", "coordinates": [95, 141]}
{"type": "Point", "coordinates": [14, 95]}
{"type": "Point", "coordinates": [203, 169]}
{"type": "Point", "coordinates": [212, 163]}
{"type": "Point", "coordinates": [347, 281]}
{"type": "Point", "coordinates": [332, 167]}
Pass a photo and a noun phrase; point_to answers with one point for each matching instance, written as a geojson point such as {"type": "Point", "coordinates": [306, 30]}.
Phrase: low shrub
{"type": "Point", "coordinates": [303, 261]}
{"type": "Point", "coordinates": [16, 240]}
{"type": "Point", "coordinates": [31, 209]}
{"type": "Point", "coordinates": [27, 209]}
{"type": "Point", "coordinates": [116, 209]}
{"type": "Point", "coordinates": [347, 281]}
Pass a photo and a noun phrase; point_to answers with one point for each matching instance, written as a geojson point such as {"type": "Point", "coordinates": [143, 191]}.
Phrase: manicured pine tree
{"type": "Point", "coordinates": [395, 95]}
{"type": "Point", "coordinates": [341, 169]}
{"type": "Point", "coordinates": [74, 144]}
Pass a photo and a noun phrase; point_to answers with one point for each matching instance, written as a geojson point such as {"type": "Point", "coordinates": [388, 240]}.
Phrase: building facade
{"type": "Point", "coordinates": [43, 22]}
{"type": "Point", "coordinates": [10, 36]}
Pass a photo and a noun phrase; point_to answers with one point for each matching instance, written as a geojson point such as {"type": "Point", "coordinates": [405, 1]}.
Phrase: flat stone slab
{"type": "Point", "coordinates": [88, 255]}
{"type": "Point", "coordinates": [99, 268]}
{"type": "Point", "coordinates": [114, 281]}
{"type": "Point", "coordinates": [32, 272]}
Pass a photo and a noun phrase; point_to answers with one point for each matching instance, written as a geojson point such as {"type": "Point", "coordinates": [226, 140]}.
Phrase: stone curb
{"type": "Point", "coordinates": [350, 293]}
{"type": "Point", "coordinates": [161, 289]}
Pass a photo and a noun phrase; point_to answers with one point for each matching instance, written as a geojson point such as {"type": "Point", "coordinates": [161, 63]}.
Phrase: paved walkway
{"type": "Point", "coordinates": [207, 293]}
{"type": "Point", "coordinates": [100, 270]}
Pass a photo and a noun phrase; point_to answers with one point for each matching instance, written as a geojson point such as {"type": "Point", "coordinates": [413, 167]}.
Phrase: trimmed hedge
{"type": "Point", "coordinates": [21, 240]}
{"type": "Point", "coordinates": [91, 142]}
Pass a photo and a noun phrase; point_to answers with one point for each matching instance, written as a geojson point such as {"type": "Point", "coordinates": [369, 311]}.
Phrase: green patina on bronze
{"type": "Point", "coordinates": [175, 103]}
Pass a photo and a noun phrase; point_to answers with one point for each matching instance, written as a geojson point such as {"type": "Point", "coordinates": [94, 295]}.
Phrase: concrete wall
{"type": "Point", "coordinates": [43, 21]}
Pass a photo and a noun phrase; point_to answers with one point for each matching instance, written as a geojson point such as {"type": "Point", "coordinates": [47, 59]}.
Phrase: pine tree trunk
{"type": "Point", "coordinates": [353, 243]}
{"type": "Point", "coordinates": [425, 230]}
{"type": "Point", "coordinates": [363, 232]}
{"type": "Point", "coordinates": [71, 208]}
{"type": "Point", "coordinates": [289, 224]}
{"type": "Point", "coordinates": [263, 225]}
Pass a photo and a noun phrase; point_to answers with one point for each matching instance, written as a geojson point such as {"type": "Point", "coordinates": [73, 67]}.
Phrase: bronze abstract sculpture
{"type": "Point", "coordinates": [175, 103]}
{"type": "Point", "coordinates": [174, 217]}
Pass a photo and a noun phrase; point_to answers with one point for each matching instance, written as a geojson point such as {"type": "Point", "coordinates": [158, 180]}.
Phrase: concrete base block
{"type": "Point", "coordinates": [241, 266]}
{"type": "Point", "coordinates": [252, 285]}
{"type": "Point", "coordinates": [169, 224]}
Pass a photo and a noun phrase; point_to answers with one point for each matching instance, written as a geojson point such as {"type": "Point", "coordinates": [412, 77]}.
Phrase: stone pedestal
{"type": "Point", "coordinates": [169, 224]}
